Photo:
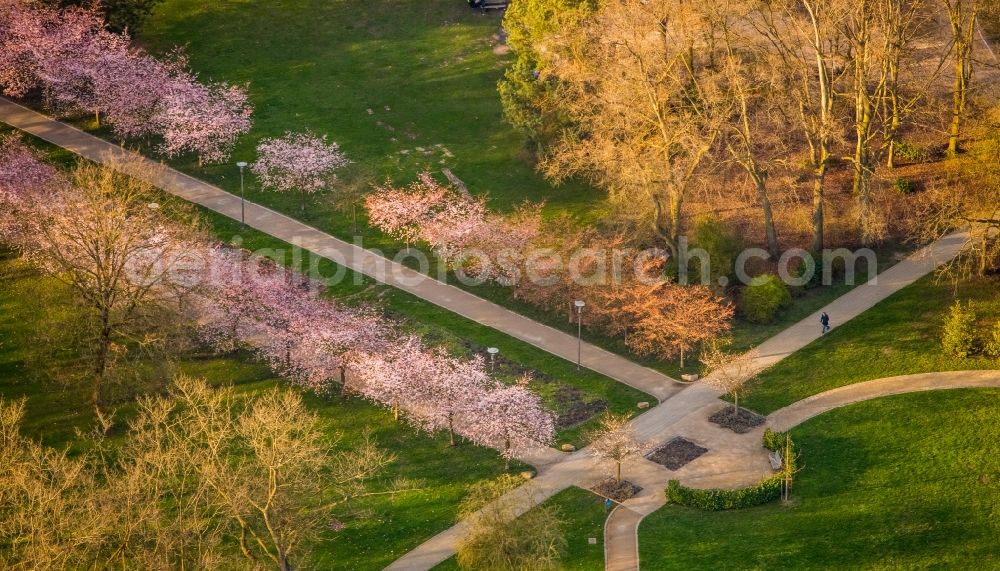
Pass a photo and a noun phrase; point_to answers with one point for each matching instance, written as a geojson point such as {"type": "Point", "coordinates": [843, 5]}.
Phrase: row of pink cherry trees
{"type": "Point", "coordinates": [242, 301]}
{"type": "Point", "coordinates": [320, 344]}
{"type": "Point", "coordinates": [78, 66]}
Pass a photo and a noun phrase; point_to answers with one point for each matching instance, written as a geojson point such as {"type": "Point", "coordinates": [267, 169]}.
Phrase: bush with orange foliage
{"type": "Point", "coordinates": [664, 319]}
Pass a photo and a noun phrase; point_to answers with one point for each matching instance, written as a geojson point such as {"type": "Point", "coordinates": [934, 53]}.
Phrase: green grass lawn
{"type": "Point", "coordinates": [899, 336]}
{"type": "Point", "coordinates": [402, 86]}
{"type": "Point", "coordinates": [379, 529]}
{"type": "Point", "coordinates": [583, 517]}
{"type": "Point", "coordinates": [903, 482]}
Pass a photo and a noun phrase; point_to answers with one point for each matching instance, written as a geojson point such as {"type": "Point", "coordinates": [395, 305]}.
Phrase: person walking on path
{"type": "Point", "coordinates": [824, 320]}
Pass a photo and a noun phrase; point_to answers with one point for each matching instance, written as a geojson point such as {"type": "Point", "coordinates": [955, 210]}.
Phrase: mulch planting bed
{"type": "Point", "coordinates": [676, 453]}
{"type": "Point", "coordinates": [617, 491]}
{"type": "Point", "coordinates": [739, 422]}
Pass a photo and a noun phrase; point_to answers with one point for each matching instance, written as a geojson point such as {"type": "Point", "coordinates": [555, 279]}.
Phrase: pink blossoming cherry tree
{"type": "Point", "coordinates": [301, 162]}
{"type": "Point", "coordinates": [510, 418]}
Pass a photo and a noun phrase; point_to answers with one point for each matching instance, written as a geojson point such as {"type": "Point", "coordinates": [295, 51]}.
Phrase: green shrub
{"type": "Point", "coordinates": [773, 440]}
{"type": "Point", "coordinates": [722, 244]}
{"type": "Point", "coordinates": [765, 491]}
{"type": "Point", "coordinates": [910, 152]}
{"type": "Point", "coordinates": [761, 300]}
{"type": "Point", "coordinates": [904, 186]}
{"type": "Point", "coordinates": [991, 348]}
{"type": "Point", "coordinates": [958, 337]}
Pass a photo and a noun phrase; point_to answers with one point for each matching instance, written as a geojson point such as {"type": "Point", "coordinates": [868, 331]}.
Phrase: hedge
{"type": "Point", "coordinates": [716, 499]}
{"type": "Point", "coordinates": [767, 490]}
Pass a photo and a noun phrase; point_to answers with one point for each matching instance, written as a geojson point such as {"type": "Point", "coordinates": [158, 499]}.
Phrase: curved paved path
{"type": "Point", "coordinates": [799, 412]}
{"type": "Point", "coordinates": [725, 466]}
{"type": "Point", "coordinates": [732, 461]}
{"type": "Point", "coordinates": [683, 409]}
{"type": "Point", "coordinates": [621, 530]}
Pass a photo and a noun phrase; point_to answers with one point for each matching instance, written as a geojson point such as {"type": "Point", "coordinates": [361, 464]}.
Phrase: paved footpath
{"type": "Point", "coordinates": [349, 255]}
{"type": "Point", "coordinates": [745, 462]}
{"type": "Point", "coordinates": [799, 412]}
{"type": "Point", "coordinates": [733, 460]}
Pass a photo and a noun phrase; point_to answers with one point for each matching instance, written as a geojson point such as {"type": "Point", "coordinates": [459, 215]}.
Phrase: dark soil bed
{"type": "Point", "coordinates": [570, 404]}
{"type": "Point", "coordinates": [676, 453]}
{"type": "Point", "coordinates": [739, 422]}
{"type": "Point", "coordinates": [617, 491]}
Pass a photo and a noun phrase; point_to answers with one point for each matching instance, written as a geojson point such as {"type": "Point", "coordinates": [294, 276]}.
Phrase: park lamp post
{"type": "Point", "coordinates": [493, 358]}
{"type": "Point", "coordinates": [243, 210]}
{"type": "Point", "coordinates": [579, 304]}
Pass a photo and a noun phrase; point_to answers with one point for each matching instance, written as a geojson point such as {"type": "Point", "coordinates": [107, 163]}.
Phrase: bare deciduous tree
{"type": "Point", "coordinates": [196, 467]}
{"type": "Point", "coordinates": [729, 372]}
{"type": "Point", "coordinates": [803, 36]}
{"type": "Point", "coordinates": [105, 239]}
{"type": "Point", "coordinates": [615, 439]}
{"type": "Point", "coordinates": [962, 16]}
{"type": "Point", "coordinates": [634, 86]}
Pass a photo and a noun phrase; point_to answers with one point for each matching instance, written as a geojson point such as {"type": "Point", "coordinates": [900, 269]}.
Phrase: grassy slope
{"type": "Point", "coordinates": [901, 335]}
{"type": "Point", "coordinates": [322, 65]}
{"type": "Point", "coordinates": [394, 525]}
{"type": "Point", "coordinates": [919, 493]}
{"type": "Point", "coordinates": [583, 517]}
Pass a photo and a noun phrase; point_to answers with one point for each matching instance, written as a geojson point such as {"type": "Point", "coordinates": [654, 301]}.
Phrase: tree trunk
{"type": "Point", "coordinates": [963, 32]}
{"type": "Point", "coordinates": [103, 351]}
{"type": "Point", "coordinates": [343, 383]}
{"type": "Point", "coordinates": [676, 208]}
{"type": "Point", "coordinates": [821, 151]}
{"type": "Point", "coordinates": [765, 205]}
{"type": "Point", "coordinates": [895, 112]}
{"type": "Point", "coordinates": [682, 358]}
{"type": "Point", "coordinates": [958, 105]}
{"type": "Point", "coordinates": [619, 474]}
{"type": "Point", "coordinates": [817, 216]}
{"type": "Point", "coordinates": [451, 430]}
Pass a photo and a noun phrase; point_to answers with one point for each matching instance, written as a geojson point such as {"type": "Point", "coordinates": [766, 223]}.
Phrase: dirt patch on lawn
{"type": "Point", "coordinates": [617, 491]}
{"type": "Point", "coordinates": [676, 453]}
{"type": "Point", "coordinates": [740, 421]}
